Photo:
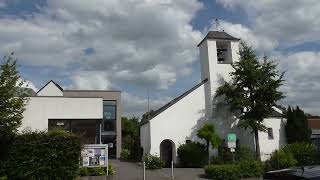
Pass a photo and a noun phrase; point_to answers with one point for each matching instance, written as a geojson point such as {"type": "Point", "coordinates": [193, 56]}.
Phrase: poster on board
{"type": "Point", "coordinates": [85, 161]}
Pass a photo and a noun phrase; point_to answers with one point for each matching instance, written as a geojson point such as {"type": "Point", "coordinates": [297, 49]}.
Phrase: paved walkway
{"type": "Point", "coordinates": [133, 171]}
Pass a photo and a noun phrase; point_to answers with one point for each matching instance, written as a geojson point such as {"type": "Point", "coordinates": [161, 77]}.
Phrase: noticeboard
{"type": "Point", "coordinates": [94, 155]}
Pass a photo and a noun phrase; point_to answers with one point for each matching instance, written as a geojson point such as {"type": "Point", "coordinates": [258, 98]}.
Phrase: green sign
{"type": "Point", "coordinates": [232, 138]}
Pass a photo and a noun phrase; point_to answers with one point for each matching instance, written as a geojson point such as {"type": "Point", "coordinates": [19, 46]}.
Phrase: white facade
{"type": "Point", "coordinates": [179, 122]}
{"type": "Point", "coordinates": [40, 109]}
{"type": "Point", "coordinates": [96, 115]}
{"type": "Point", "coordinates": [184, 117]}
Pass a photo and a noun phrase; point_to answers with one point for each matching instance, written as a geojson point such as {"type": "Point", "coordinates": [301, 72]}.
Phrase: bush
{"type": "Point", "coordinates": [153, 162]}
{"type": "Point", "coordinates": [125, 155]}
{"type": "Point", "coordinates": [226, 157]}
{"type": "Point", "coordinates": [281, 159]}
{"type": "Point", "coordinates": [96, 171]}
{"type": "Point", "coordinates": [304, 153]}
{"type": "Point", "coordinates": [250, 168]}
{"type": "Point", "coordinates": [244, 153]}
{"type": "Point", "coordinates": [192, 154]}
{"type": "Point", "coordinates": [222, 172]}
{"type": "Point", "coordinates": [38, 155]}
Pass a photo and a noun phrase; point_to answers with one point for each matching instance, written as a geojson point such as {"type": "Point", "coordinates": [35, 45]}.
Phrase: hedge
{"type": "Point", "coordinates": [304, 153]}
{"type": "Point", "coordinates": [41, 155]}
{"type": "Point", "coordinates": [222, 172]}
{"type": "Point", "coordinates": [244, 169]}
{"type": "Point", "coordinates": [192, 154]}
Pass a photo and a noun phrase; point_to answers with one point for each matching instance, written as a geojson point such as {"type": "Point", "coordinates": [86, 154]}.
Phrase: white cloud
{"type": "Point", "coordinates": [302, 85]}
{"type": "Point", "coordinates": [92, 80]}
{"type": "Point", "coordinates": [289, 22]}
{"type": "Point", "coordinates": [136, 105]}
{"type": "Point", "coordinates": [147, 40]}
{"type": "Point", "coordinates": [246, 34]}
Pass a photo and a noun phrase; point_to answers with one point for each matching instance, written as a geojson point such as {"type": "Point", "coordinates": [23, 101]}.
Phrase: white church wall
{"type": "Point", "coordinates": [179, 122]}
{"type": "Point", "coordinates": [40, 109]}
{"type": "Point", "coordinates": [267, 145]}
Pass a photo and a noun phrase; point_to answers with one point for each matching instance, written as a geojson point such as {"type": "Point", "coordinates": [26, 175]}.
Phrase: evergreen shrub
{"type": "Point", "coordinates": [222, 172]}
{"type": "Point", "coordinates": [153, 162]}
{"type": "Point", "coordinates": [250, 168]}
{"type": "Point", "coordinates": [41, 155]}
{"type": "Point", "coordinates": [192, 154]}
{"type": "Point", "coordinates": [280, 160]}
{"type": "Point", "coordinates": [304, 153]}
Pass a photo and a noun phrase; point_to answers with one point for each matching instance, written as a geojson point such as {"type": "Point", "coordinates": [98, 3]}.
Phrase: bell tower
{"type": "Point", "coordinates": [218, 50]}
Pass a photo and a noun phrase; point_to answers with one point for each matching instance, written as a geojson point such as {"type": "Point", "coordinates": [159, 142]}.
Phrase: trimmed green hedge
{"type": "Point", "coordinates": [250, 168]}
{"type": "Point", "coordinates": [41, 155]}
{"type": "Point", "coordinates": [222, 172]}
{"type": "Point", "coordinates": [244, 169]}
{"type": "Point", "coordinates": [192, 154]}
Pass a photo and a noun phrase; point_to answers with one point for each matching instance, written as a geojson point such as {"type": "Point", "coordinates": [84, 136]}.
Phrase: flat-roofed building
{"type": "Point", "coordinates": [93, 114]}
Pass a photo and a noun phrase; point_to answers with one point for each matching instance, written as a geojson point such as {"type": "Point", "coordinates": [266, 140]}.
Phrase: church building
{"type": "Point", "coordinates": [178, 121]}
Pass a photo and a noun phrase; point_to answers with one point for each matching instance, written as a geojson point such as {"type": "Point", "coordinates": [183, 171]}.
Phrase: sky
{"type": "Point", "coordinates": [138, 46]}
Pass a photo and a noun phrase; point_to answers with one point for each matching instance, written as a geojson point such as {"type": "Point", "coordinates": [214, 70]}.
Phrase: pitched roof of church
{"type": "Point", "coordinates": [175, 100]}
{"type": "Point", "coordinates": [219, 35]}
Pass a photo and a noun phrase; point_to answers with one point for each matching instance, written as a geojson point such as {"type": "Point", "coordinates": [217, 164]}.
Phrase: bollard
{"type": "Point", "coordinates": [144, 171]}
{"type": "Point", "coordinates": [172, 175]}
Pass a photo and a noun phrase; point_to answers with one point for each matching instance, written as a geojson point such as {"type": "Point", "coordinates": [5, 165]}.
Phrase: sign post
{"type": "Point", "coordinates": [232, 143]}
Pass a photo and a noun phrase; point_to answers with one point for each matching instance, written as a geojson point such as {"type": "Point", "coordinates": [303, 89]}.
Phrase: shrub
{"type": "Point", "coordinates": [226, 157]}
{"type": "Point", "coordinates": [38, 155]}
{"type": "Point", "coordinates": [244, 153]}
{"type": "Point", "coordinates": [304, 153]}
{"type": "Point", "coordinates": [281, 159]}
{"type": "Point", "coordinates": [250, 168]}
{"type": "Point", "coordinates": [153, 162]}
{"type": "Point", "coordinates": [96, 171]}
{"type": "Point", "coordinates": [222, 172]}
{"type": "Point", "coordinates": [125, 155]}
{"type": "Point", "coordinates": [192, 154]}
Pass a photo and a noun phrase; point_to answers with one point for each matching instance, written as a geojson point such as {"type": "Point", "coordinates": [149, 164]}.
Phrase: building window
{"type": "Point", "coordinates": [109, 116]}
{"type": "Point", "coordinates": [270, 133]}
{"type": "Point", "coordinates": [188, 141]}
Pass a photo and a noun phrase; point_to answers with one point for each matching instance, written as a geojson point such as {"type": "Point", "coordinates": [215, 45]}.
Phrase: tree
{"type": "Point", "coordinates": [208, 133]}
{"type": "Point", "coordinates": [253, 91]}
{"type": "Point", "coordinates": [131, 137]}
{"type": "Point", "coordinates": [297, 129]}
{"type": "Point", "coordinates": [11, 104]}
{"type": "Point", "coordinates": [146, 116]}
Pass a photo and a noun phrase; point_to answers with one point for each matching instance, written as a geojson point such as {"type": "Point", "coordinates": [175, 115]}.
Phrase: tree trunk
{"type": "Point", "coordinates": [208, 144]}
{"type": "Point", "coordinates": [256, 138]}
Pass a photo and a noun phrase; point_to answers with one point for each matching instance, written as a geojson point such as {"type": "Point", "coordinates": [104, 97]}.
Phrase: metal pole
{"type": "Point", "coordinates": [107, 155]}
{"type": "Point", "coordinates": [172, 174]}
{"type": "Point", "coordinates": [144, 171]}
{"type": "Point", "coordinates": [148, 104]}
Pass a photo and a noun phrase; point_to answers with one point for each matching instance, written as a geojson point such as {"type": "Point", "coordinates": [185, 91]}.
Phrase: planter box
{"type": "Point", "coordinates": [97, 178]}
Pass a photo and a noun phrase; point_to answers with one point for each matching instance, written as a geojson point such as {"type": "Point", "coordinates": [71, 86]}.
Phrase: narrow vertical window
{"type": "Point", "coordinates": [270, 133]}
